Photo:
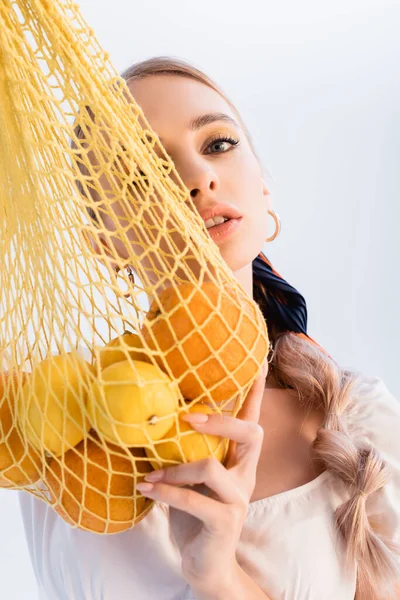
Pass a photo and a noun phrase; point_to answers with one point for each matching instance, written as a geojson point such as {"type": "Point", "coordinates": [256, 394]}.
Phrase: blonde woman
{"type": "Point", "coordinates": [308, 505]}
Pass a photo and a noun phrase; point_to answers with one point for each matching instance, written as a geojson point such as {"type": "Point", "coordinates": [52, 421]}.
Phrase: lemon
{"type": "Point", "coordinates": [115, 350]}
{"type": "Point", "coordinates": [131, 403]}
{"type": "Point", "coordinates": [187, 447]}
{"type": "Point", "coordinates": [51, 407]}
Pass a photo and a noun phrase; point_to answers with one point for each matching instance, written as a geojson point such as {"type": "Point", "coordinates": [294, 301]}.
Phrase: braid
{"type": "Point", "coordinates": [363, 471]}
{"type": "Point", "coordinates": [321, 383]}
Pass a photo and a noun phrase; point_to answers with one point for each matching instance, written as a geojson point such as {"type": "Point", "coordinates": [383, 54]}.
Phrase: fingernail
{"type": "Point", "coordinates": [155, 475]}
{"type": "Point", "coordinates": [195, 418]}
{"type": "Point", "coordinates": [144, 487]}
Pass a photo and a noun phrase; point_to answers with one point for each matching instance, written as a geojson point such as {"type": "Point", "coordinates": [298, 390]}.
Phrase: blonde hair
{"type": "Point", "coordinates": [319, 382]}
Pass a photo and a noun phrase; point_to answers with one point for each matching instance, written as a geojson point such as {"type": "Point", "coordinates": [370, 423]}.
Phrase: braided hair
{"type": "Point", "coordinates": [301, 364]}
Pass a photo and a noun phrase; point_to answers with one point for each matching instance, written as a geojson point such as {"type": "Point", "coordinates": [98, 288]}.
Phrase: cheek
{"type": "Point", "coordinates": [248, 189]}
{"type": "Point", "coordinates": [246, 171]}
{"type": "Point", "coordinates": [155, 251]}
{"type": "Point", "coordinates": [250, 199]}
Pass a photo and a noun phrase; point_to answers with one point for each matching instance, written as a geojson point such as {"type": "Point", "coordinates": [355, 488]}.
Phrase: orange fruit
{"type": "Point", "coordinates": [93, 487]}
{"type": "Point", "coordinates": [115, 350]}
{"type": "Point", "coordinates": [20, 463]}
{"type": "Point", "coordinates": [187, 447]}
{"type": "Point", "coordinates": [52, 405]}
{"type": "Point", "coordinates": [195, 332]}
{"type": "Point", "coordinates": [131, 403]}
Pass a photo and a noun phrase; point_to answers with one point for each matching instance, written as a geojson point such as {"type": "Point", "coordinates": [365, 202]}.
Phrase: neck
{"type": "Point", "coordinates": [245, 277]}
{"type": "Point", "coordinates": [271, 381]}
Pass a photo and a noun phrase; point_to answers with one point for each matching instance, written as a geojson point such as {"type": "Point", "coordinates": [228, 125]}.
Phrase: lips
{"type": "Point", "coordinates": [224, 230]}
{"type": "Point", "coordinates": [220, 209]}
{"type": "Point", "coordinates": [211, 222]}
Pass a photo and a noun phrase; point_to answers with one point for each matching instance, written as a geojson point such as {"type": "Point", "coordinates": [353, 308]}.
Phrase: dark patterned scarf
{"type": "Point", "coordinates": [282, 305]}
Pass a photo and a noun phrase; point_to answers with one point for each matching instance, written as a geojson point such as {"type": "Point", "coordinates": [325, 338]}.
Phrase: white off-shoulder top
{"type": "Point", "coordinates": [288, 546]}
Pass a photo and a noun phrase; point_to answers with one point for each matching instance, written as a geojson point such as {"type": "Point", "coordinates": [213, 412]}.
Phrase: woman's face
{"type": "Point", "coordinates": [213, 170]}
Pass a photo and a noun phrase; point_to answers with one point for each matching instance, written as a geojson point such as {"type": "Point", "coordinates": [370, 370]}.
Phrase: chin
{"type": "Point", "coordinates": [236, 258]}
{"type": "Point", "coordinates": [239, 255]}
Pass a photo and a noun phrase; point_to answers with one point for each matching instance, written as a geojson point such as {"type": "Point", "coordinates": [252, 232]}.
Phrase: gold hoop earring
{"type": "Point", "coordinates": [278, 226]}
{"type": "Point", "coordinates": [130, 275]}
{"type": "Point", "coordinates": [271, 352]}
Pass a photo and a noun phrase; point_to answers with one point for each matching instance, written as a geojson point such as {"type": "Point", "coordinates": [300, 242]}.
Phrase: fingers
{"type": "Point", "coordinates": [186, 500]}
{"type": "Point", "coordinates": [216, 515]}
{"type": "Point", "coordinates": [248, 436]}
{"type": "Point", "coordinates": [208, 471]}
{"type": "Point", "coordinates": [238, 430]}
{"type": "Point", "coordinates": [234, 482]}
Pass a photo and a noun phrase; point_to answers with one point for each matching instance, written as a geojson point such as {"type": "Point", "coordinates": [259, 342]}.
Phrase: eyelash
{"type": "Point", "coordinates": [219, 138]}
{"type": "Point", "coordinates": [224, 138]}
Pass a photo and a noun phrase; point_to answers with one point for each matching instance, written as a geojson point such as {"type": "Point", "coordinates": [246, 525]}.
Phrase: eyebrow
{"type": "Point", "coordinates": [203, 120]}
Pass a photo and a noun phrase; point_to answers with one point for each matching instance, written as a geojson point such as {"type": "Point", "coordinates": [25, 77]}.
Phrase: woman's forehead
{"type": "Point", "coordinates": [171, 102]}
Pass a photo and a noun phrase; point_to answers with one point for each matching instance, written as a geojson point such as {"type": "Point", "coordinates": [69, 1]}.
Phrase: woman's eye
{"type": "Point", "coordinates": [225, 141]}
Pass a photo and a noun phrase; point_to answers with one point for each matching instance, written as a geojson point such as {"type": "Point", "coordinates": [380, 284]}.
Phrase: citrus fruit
{"type": "Point", "coordinates": [114, 351]}
{"type": "Point", "coordinates": [221, 335]}
{"type": "Point", "coordinates": [187, 447]}
{"type": "Point", "coordinates": [93, 487]}
{"type": "Point", "coordinates": [131, 400]}
{"type": "Point", "coordinates": [52, 404]}
{"type": "Point", "coordinates": [20, 463]}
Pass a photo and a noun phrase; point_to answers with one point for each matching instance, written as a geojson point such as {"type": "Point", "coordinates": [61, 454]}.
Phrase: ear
{"type": "Point", "coordinates": [266, 193]}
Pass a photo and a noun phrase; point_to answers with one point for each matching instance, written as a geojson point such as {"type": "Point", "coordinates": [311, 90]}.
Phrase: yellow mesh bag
{"type": "Point", "coordinates": [97, 364]}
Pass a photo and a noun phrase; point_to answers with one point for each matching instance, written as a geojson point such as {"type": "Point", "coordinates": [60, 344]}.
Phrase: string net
{"type": "Point", "coordinates": [117, 312]}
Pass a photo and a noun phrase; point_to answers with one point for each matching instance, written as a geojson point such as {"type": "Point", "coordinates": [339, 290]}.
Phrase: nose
{"type": "Point", "coordinates": [202, 182]}
{"type": "Point", "coordinates": [204, 189]}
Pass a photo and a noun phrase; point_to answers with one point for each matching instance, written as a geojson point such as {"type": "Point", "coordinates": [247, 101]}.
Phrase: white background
{"type": "Point", "coordinates": [318, 85]}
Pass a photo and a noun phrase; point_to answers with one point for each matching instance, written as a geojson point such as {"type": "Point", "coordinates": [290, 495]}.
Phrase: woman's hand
{"type": "Point", "coordinates": [210, 555]}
